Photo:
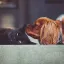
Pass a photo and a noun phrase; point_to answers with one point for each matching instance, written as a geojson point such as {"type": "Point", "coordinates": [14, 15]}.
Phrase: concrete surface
{"type": "Point", "coordinates": [31, 54]}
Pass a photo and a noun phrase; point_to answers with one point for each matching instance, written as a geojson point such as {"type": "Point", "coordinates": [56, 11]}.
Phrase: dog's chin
{"type": "Point", "coordinates": [33, 35]}
{"type": "Point", "coordinates": [32, 39]}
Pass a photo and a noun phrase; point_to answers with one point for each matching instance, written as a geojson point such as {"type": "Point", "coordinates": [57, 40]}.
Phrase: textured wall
{"type": "Point", "coordinates": [29, 10]}
{"type": "Point", "coordinates": [39, 8]}
{"type": "Point", "coordinates": [13, 54]}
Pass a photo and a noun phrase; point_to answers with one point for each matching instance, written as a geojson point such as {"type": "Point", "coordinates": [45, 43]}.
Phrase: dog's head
{"type": "Point", "coordinates": [44, 29]}
{"type": "Point", "coordinates": [34, 29]}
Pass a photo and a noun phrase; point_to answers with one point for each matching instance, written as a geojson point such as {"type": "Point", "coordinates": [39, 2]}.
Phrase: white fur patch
{"type": "Point", "coordinates": [32, 39]}
{"type": "Point", "coordinates": [60, 17]}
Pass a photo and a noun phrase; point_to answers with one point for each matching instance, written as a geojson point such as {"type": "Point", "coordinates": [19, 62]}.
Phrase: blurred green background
{"type": "Point", "coordinates": [36, 54]}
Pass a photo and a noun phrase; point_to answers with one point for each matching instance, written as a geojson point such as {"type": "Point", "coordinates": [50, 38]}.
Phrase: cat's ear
{"type": "Point", "coordinates": [23, 28]}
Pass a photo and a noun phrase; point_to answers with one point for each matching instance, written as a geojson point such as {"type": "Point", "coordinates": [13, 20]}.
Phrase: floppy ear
{"type": "Point", "coordinates": [50, 32]}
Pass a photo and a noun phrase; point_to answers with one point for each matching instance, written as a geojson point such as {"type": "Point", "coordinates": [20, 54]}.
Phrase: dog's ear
{"type": "Point", "coordinates": [50, 32]}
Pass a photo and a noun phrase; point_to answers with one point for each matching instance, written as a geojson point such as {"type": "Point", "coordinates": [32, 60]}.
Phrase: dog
{"type": "Point", "coordinates": [14, 36]}
{"type": "Point", "coordinates": [46, 30]}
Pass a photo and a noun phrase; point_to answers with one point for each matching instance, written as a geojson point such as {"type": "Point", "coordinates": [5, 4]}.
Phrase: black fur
{"type": "Point", "coordinates": [14, 37]}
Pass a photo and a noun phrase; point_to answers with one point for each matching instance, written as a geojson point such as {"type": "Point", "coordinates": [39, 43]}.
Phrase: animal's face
{"type": "Point", "coordinates": [20, 34]}
{"type": "Point", "coordinates": [34, 30]}
{"type": "Point", "coordinates": [44, 29]}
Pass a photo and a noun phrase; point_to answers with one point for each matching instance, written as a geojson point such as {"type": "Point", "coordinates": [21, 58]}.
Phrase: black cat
{"type": "Point", "coordinates": [14, 37]}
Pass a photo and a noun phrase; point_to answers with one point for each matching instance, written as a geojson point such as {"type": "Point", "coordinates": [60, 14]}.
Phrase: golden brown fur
{"type": "Point", "coordinates": [48, 30]}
